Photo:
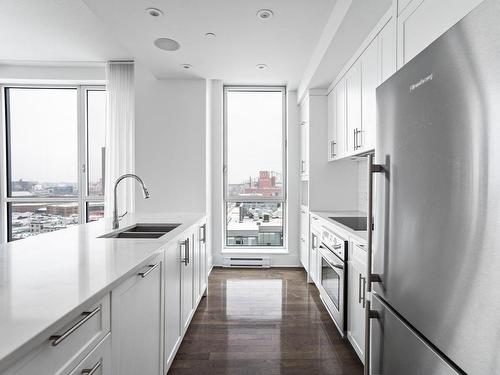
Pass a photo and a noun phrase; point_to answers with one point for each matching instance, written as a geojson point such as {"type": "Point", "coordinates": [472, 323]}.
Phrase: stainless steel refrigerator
{"type": "Point", "coordinates": [436, 249]}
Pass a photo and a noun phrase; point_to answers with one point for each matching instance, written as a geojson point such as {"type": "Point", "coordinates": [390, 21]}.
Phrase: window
{"type": "Point", "coordinates": [254, 166]}
{"type": "Point", "coordinates": [54, 142]}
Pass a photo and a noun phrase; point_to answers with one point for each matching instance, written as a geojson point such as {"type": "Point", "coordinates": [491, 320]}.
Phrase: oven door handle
{"type": "Point", "coordinates": [330, 263]}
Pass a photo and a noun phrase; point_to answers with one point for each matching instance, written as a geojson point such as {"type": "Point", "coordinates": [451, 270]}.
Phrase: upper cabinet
{"type": "Point", "coordinates": [420, 22]}
{"type": "Point", "coordinates": [353, 107]}
{"type": "Point", "coordinates": [352, 102]}
{"type": "Point", "coordinates": [304, 139]}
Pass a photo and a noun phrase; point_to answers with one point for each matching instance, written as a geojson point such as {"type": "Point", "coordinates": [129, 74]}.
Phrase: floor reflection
{"type": "Point", "coordinates": [263, 322]}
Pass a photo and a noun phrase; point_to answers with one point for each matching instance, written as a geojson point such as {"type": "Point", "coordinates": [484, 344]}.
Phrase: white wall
{"type": "Point", "coordinates": [90, 74]}
{"type": "Point", "coordinates": [215, 172]}
{"type": "Point", "coordinates": [170, 143]}
{"type": "Point", "coordinates": [293, 134]}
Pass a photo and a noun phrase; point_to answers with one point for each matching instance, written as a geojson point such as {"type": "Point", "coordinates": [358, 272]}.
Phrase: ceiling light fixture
{"type": "Point", "coordinates": [261, 66]}
{"type": "Point", "coordinates": [210, 35]}
{"type": "Point", "coordinates": [154, 12]}
{"type": "Point", "coordinates": [167, 44]}
{"type": "Point", "coordinates": [186, 66]}
{"type": "Point", "coordinates": [265, 14]}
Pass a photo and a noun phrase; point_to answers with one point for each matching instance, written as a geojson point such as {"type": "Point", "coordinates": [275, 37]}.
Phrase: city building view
{"type": "Point", "coordinates": [255, 223]}
{"type": "Point", "coordinates": [30, 219]}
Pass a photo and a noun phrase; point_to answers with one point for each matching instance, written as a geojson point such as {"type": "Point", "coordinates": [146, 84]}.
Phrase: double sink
{"type": "Point", "coordinates": [147, 231]}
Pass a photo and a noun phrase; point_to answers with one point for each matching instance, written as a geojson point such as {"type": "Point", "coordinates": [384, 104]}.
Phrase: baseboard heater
{"type": "Point", "coordinates": [244, 262]}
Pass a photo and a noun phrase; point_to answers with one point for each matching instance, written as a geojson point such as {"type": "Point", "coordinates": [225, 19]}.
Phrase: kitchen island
{"type": "Point", "coordinates": [48, 282]}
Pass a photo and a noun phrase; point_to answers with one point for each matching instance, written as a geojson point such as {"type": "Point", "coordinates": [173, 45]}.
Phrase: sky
{"type": "Point", "coordinates": [254, 134]}
{"type": "Point", "coordinates": [44, 134]}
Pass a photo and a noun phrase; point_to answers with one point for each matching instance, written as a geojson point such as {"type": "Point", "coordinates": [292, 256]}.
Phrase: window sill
{"type": "Point", "coordinates": [254, 250]}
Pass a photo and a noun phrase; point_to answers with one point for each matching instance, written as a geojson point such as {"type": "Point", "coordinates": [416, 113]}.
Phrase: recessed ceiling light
{"type": "Point", "coordinates": [154, 12]}
{"type": "Point", "coordinates": [186, 66]}
{"type": "Point", "coordinates": [167, 44]}
{"type": "Point", "coordinates": [265, 14]}
{"type": "Point", "coordinates": [261, 66]}
{"type": "Point", "coordinates": [210, 35]}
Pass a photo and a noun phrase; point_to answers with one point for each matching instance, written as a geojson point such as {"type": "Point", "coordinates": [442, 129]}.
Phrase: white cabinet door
{"type": "Point", "coordinates": [196, 267]}
{"type": "Point", "coordinates": [203, 258]}
{"type": "Point", "coordinates": [332, 124]}
{"type": "Point", "coordinates": [387, 50]}
{"type": "Point", "coordinates": [313, 256]}
{"type": "Point", "coordinates": [356, 299]}
{"type": "Point", "coordinates": [172, 287]}
{"type": "Point", "coordinates": [136, 323]}
{"type": "Point", "coordinates": [304, 236]}
{"type": "Point", "coordinates": [304, 138]}
{"type": "Point", "coordinates": [353, 107]}
{"type": "Point", "coordinates": [186, 281]}
{"type": "Point", "coordinates": [340, 119]}
{"type": "Point", "coordinates": [370, 79]}
{"type": "Point", "coordinates": [423, 21]}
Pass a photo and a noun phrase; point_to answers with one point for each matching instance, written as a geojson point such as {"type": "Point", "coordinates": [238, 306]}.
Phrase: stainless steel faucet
{"type": "Point", "coordinates": [145, 192]}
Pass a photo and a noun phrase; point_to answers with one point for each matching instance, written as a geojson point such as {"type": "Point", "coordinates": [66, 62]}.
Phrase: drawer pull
{"type": "Point", "coordinates": [151, 268]}
{"type": "Point", "coordinates": [87, 315]}
{"type": "Point", "coordinates": [91, 371]}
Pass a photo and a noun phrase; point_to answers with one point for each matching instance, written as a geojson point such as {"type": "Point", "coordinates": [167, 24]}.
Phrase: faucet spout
{"type": "Point", "coordinates": [145, 193]}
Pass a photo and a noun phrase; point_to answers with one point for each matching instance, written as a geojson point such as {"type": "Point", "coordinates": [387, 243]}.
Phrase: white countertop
{"type": "Point", "coordinates": [46, 277]}
{"type": "Point", "coordinates": [358, 235]}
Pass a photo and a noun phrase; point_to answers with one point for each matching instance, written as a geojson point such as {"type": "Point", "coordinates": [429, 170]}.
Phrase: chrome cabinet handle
{"type": "Point", "coordinates": [182, 247]}
{"type": "Point", "coordinates": [359, 287]}
{"type": "Point", "coordinates": [302, 166]}
{"type": "Point", "coordinates": [332, 149]}
{"type": "Point", "coordinates": [363, 293]}
{"type": "Point", "coordinates": [354, 138]}
{"type": "Point", "coordinates": [187, 252]}
{"type": "Point", "coordinates": [151, 268]}
{"type": "Point", "coordinates": [203, 229]}
{"type": "Point", "coordinates": [87, 315]}
{"type": "Point", "coordinates": [92, 370]}
{"type": "Point", "coordinates": [336, 247]}
{"type": "Point", "coordinates": [337, 266]}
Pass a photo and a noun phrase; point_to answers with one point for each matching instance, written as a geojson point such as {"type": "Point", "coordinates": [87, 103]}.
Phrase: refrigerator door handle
{"type": "Point", "coordinates": [370, 278]}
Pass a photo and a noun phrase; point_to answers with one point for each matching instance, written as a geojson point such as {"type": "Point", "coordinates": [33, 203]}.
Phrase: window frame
{"type": "Point", "coordinates": [82, 156]}
{"type": "Point", "coordinates": [282, 199]}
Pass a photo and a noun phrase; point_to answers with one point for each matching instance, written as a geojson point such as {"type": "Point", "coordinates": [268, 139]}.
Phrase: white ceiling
{"type": "Point", "coordinates": [54, 30]}
{"type": "Point", "coordinates": [284, 43]}
{"type": "Point", "coordinates": [98, 30]}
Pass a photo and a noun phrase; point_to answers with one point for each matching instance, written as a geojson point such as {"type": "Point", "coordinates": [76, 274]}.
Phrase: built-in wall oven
{"type": "Point", "coordinates": [333, 280]}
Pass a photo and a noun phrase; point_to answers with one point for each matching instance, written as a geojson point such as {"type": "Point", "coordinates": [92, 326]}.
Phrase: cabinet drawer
{"type": "Point", "coordinates": [70, 344]}
{"type": "Point", "coordinates": [98, 361]}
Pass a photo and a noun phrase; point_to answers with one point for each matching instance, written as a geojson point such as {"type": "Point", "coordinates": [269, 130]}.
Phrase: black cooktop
{"type": "Point", "coordinates": [353, 222]}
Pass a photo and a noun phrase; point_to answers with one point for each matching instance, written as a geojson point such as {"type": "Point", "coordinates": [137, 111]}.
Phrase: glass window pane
{"type": "Point", "coordinates": [254, 224]}
{"type": "Point", "coordinates": [254, 142]}
{"type": "Point", "coordinates": [95, 211]}
{"type": "Point", "coordinates": [43, 147]}
{"type": "Point", "coordinates": [96, 133]}
{"type": "Point", "coordinates": [30, 219]}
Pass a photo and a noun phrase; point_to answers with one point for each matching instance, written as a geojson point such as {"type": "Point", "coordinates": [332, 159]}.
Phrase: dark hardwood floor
{"type": "Point", "coordinates": [263, 322]}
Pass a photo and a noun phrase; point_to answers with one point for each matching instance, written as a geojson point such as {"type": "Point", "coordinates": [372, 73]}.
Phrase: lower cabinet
{"type": "Point", "coordinates": [98, 362]}
{"type": "Point", "coordinates": [186, 281]}
{"type": "Point", "coordinates": [69, 344]}
{"type": "Point", "coordinates": [136, 322]}
{"type": "Point", "coordinates": [172, 281]}
{"type": "Point", "coordinates": [356, 298]}
{"type": "Point", "coordinates": [304, 237]}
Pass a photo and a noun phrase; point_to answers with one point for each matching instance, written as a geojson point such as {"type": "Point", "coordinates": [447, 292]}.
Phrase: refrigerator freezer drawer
{"type": "Point", "coordinates": [397, 349]}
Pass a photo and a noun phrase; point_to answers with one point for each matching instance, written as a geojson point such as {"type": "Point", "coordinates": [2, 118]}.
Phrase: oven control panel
{"type": "Point", "coordinates": [335, 243]}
